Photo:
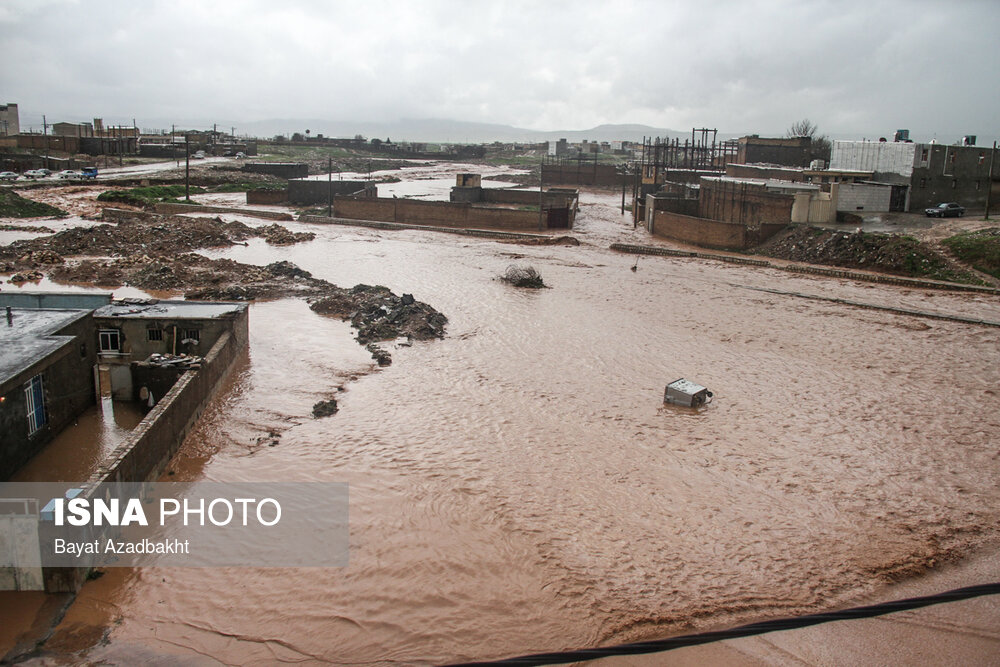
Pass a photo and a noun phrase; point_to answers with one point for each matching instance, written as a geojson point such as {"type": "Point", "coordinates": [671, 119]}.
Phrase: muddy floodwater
{"type": "Point", "coordinates": [519, 486]}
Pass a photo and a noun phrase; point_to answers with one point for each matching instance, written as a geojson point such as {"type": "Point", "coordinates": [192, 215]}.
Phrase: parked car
{"type": "Point", "coordinates": [200, 155]}
{"type": "Point", "coordinates": [68, 173]}
{"type": "Point", "coordinates": [44, 172]}
{"type": "Point", "coordinates": [948, 209]}
{"type": "Point", "coordinates": [88, 173]}
{"type": "Point", "coordinates": [8, 176]}
{"type": "Point", "coordinates": [33, 173]}
{"type": "Point", "coordinates": [241, 156]}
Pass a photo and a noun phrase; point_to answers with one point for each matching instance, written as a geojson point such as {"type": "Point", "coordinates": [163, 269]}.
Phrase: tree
{"type": "Point", "coordinates": [820, 145]}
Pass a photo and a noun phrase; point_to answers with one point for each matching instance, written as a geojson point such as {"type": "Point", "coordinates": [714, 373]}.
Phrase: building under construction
{"type": "Point", "coordinates": [665, 160]}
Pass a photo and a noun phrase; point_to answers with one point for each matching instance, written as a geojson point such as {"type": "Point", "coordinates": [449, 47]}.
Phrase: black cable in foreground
{"type": "Point", "coordinates": [870, 611]}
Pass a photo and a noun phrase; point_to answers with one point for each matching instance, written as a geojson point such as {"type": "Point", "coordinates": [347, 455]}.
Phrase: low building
{"type": "Point", "coordinates": [62, 350]}
{"type": "Point", "coordinates": [133, 330]}
{"type": "Point", "coordinates": [46, 378]}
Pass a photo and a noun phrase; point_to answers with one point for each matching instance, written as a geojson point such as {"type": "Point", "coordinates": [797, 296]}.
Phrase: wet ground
{"type": "Point", "coordinates": [519, 486]}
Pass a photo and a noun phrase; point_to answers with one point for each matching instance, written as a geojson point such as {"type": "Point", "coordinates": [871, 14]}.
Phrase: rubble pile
{"type": "Point", "coordinates": [25, 277]}
{"type": "Point", "coordinates": [277, 235]}
{"type": "Point", "coordinates": [325, 408]}
{"type": "Point", "coordinates": [180, 361]}
{"type": "Point", "coordinates": [378, 314]}
{"type": "Point", "coordinates": [154, 253]}
{"type": "Point", "coordinates": [889, 253]}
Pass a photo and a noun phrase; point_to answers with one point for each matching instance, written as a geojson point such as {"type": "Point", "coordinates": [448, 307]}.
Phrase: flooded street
{"type": "Point", "coordinates": [519, 486]}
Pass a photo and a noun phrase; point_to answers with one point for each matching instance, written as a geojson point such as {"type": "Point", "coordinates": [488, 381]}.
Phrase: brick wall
{"type": "Point", "coordinates": [699, 231]}
{"type": "Point", "coordinates": [267, 196]}
{"type": "Point", "coordinates": [745, 203]}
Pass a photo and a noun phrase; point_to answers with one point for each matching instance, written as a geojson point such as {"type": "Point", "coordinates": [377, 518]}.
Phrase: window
{"type": "Point", "coordinates": [34, 398]}
{"type": "Point", "coordinates": [923, 183]}
{"type": "Point", "coordinates": [110, 341]}
{"type": "Point", "coordinates": [192, 334]}
{"type": "Point", "coordinates": [154, 334]}
{"type": "Point", "coordinates": [924, 155]}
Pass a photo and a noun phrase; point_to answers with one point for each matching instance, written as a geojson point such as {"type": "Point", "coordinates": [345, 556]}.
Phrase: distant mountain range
{"type": "Point", "coordinates": [449, 131]}
{"type": "Point", "coordinates": [405, 129]}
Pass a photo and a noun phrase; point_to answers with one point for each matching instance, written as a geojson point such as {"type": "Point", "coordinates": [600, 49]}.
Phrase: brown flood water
{"type": "Point", "coordinates": [520, 487]}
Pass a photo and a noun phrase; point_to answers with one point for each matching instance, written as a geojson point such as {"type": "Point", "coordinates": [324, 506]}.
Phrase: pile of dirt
{"type": "Point", "coordinates": [887, 253]}
{"type": "Point", "coordinates": [13, 205]}
{"type": "Point", "coordinates": [153, 253]}
{"type": "Point", "coordinates": [378, 314]}
{"type": "Point", "coordinates": [277, 235]}
{"type": "Point", "coordinates": [147, 196]}
{"type": "Point", "coordinates": [150, 235]}
{"type": "Point", "coordinates": [980, 249]}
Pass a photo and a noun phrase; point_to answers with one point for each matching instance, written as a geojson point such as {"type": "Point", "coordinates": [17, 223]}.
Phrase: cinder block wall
{"type": "Point", "coordinates": [699, 231]}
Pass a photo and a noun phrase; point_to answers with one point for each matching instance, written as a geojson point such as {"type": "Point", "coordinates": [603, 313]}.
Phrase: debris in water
{"type": "Point", "coordinates": [522, 276]}
{"type": "Point", "coordinates": [325, 408]}
{"type": "Point", "coordinates": [686, 393]}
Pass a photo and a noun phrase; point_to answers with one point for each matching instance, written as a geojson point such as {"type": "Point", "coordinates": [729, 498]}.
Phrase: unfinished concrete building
{"type": "Point", "coordinates": [920, 175]}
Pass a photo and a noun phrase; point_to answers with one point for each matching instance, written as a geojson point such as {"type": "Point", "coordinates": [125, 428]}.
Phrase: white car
{"type": "Point", "coordinates": [33, 173]}
{"type": "Point", "coordinates": [200, 155]}
{"type": "Point", "coordinates": [68, 173]}
{"type": "Point", "coordinates": [8, 176]}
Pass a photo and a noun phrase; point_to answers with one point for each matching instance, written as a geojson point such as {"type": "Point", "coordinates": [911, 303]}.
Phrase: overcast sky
{"type": "Point", "coordinates": [855, 68]}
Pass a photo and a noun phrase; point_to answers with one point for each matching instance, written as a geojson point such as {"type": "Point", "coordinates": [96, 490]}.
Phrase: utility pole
{"type": "Point", "coordinates": [187, 171]}
{"type": "Point", "coordinates": [329, 179]}
{"type": "Point", "coordinates": [173, 147]}
{"type": "Point", "coordinates": [989, 182]}
{"type": "Point", "coordinates": [45, 133]}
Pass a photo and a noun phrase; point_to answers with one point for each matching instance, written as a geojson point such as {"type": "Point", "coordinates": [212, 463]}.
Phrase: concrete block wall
{"type": "Point", "coordinates": [318, 192]}
{"type": "Point", "coordinates": [287, 170]}
{"type": "Point", "coordinates": [432, 213]}
{"type": "Point", "coordinates": [863, 197]}
{"type": "Point", "coordinates": [582, 173]}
